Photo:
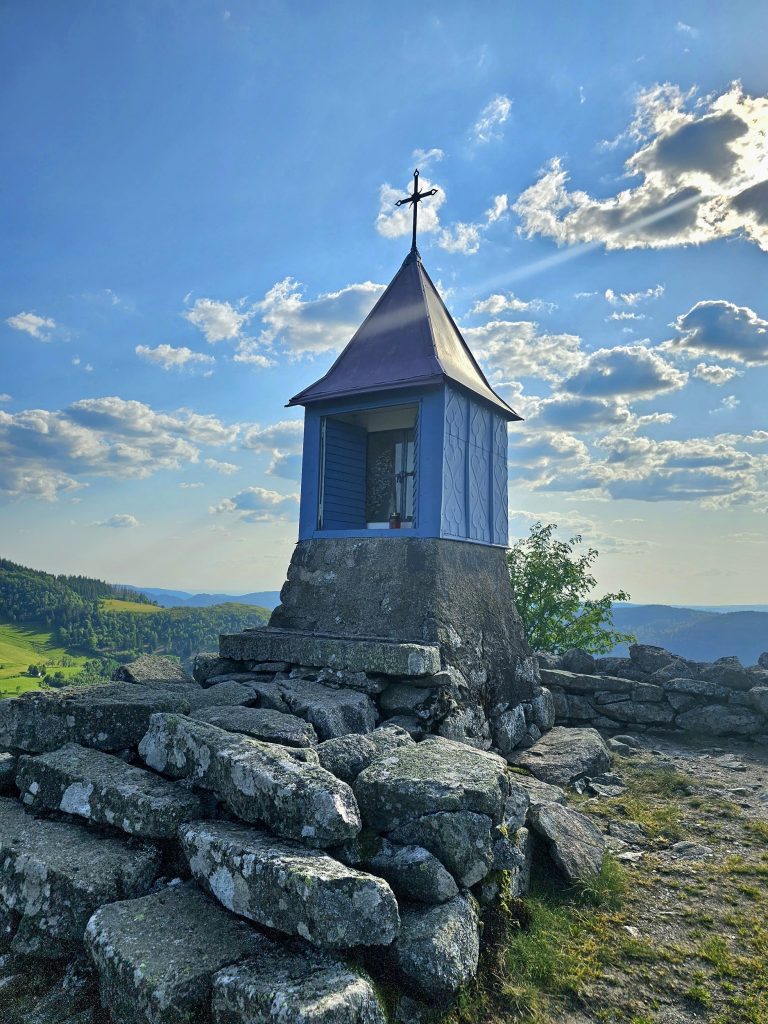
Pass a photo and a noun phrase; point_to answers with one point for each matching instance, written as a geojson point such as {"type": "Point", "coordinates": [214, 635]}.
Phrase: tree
{"type": "Point", "coordinates": [550, 583]}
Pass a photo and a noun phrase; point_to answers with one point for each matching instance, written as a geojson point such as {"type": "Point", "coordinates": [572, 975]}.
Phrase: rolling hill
{"type": "Point", "coordinates": [693, 633]}
{"type": "Point", "coordinates": [183, 599]}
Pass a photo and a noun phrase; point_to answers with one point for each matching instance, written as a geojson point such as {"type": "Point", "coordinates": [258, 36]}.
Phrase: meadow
{"type": "Point", "coordinates": [22, 645]}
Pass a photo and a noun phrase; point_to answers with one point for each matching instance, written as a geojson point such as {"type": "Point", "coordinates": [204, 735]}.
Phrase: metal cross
{"type": "Point", "coordinates": [414, 200]}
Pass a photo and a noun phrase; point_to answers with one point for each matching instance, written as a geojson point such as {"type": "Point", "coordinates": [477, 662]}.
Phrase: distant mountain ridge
{"type": "Point", "coordinates": [694, 633]}
{"type": "Point", "coordinates": [183, 599]}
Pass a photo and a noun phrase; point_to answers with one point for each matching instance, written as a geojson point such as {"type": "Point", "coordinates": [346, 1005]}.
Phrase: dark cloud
{"type": "Point", "coordinates": [720, 328]}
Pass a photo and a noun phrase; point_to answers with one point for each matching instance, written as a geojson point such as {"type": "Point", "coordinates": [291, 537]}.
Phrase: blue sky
{"type": "Point", "coordinates": [196, 202]}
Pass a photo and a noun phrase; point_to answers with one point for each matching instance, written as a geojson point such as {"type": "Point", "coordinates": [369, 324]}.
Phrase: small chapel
{"type": "Point", "coordinates": [403, 524]}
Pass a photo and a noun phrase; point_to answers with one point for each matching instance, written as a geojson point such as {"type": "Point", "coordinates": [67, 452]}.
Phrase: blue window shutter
{"type": "Point", "coordinates": [343, 504]}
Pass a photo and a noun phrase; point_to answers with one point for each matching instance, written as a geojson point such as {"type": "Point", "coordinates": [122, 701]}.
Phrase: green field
{"type": "Point", "coordinates": [112, 604]}
{"type": "Point", "coordinates": [25, 645]}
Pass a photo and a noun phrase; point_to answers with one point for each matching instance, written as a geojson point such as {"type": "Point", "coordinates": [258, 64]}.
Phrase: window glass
{"type": "Point", "coordinates": [390, 475]}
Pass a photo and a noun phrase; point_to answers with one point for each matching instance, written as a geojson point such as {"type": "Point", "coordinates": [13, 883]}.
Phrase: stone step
{"type": "Point", "coordinates": [54, 875]}
{"type": "Point", "coordinates": [111, 717]}
{"type": "Point", "coordinates": [259, 782]}
{"type": "Point", "coordinates": [370, 655]}
{"type": "Point", "coordinates": [285, 886]}
{"type": "Point", "coordinates": [157, 956]}
{"type": "Point", "coordinates": [103, 788]}
{"type": "Point", "coordinates": [261, 724]}
{"type": "Point", "coordinates": [282, 987]}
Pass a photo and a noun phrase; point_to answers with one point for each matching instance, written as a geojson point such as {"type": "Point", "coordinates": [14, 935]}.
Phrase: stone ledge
{"type": "Point", "coordinates": [371, 655]}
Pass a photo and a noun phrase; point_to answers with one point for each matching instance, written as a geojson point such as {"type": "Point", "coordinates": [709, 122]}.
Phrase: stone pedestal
{"type": "Point", "coordinates": [449, 594]}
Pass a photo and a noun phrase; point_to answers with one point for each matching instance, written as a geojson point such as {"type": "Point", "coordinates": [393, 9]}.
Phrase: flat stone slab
{"type": "Point", "coordinates": [382, 657]}
{"type": "Point", "coordinates": [54, 875]}
{"type": "Point", "coordinates": [152, 668]}
{"type": "Point", "coordinates": [435, 775]}
{"type": "Point", "coordinates": [575, 843]}
{"type": "Point", "coordinates": [262, 724]}
{"type": "Point", "coordinates": [111, 717]}
{"type": "Point", "coordinates": [156, 956]}
{"type": "Point", "coordinates": [285, 886]}
{"type": "Point", "coordinates": [103, 788]}
{"type": "Point", "coordinates": [259, 782]}
{"type": "Point", "coordinates": [333, 711]}
{"type": "Point", "coordinates": [283, 986]}
{"type": "Point", "coordinates": [563, 755]}
{"type": "Point", "coordinates": [439, 947]}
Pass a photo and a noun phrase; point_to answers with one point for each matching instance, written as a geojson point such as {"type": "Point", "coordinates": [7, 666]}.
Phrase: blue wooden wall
{"type": "Point", "coordinates": [474, 471]}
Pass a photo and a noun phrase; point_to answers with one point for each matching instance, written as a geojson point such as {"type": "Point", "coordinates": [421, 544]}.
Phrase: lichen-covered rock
{"type": "Point", "coordinates": [577, 660]}
{"type": "Point", "coordinates": [403, 699]}
{"type": "Point", "coordinates": [112, 717]}
{"type": "Point", "coordinates": [7, 772]}
{"type": "Point", "coordinates": [103, 788]}
{"type": "Point", "coordinates": [413, 872]}
{"type": "Point", "coordinates": [563, 755]}
{"type": "Point", "coordinates": [151, 668]}
{"type": "Point", "coordinates": [156, 956]}
{"type": "Point", "coordinates": [649, 658]}
{"type": "Point", "coordinates": [285, 886]}
{"type": "Point", "coordinates": [70, 997]}
{"type": "Point", "coordinates": [728, 672]}
{"type": "Point", "coordinates": [638, 712]}
{"type": "Point", "coordinates": [461, 840]}
{"type": "Point", "coordinates": [333, 711]}
{"type": "Point", "coordinates": [509, 729]}
{"type": "Point", "coordinates": [9, 922]}
{"type": "Point", "coordinates": [720, 720]}
{"type": "Point", "coordinates": [543, 709]}
{"type": "Point", "coordinates": [286, 986]}
{"type": "Point", "coordinates": [438, 948]}
{"type": "Point", "coordinates": [575, 843]}
{"type": "Point", "coordinates": [692, 687]}
{"type": "Point", "coordinates": [758, 697]}
{"type": "Point", "coordinates": [209, 665]}
{"type": "Point", "coordinates": [466, 724]}
{"type": "Point", "coordinates": [259, 782]}
{"type": "Point", "coordinates": [435, 775]}
{"type": "Point", "coordinates": [346, 756]}
{"type": "Point", "coordinates": [261, 723]}
{"type": "Point", "coordinates": [53, 875]}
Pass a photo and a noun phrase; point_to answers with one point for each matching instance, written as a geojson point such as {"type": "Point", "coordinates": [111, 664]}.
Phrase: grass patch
{"type": "Point", "coordinates": [111, 604]}
{"type": "Point", "coordinates": [25, 645]}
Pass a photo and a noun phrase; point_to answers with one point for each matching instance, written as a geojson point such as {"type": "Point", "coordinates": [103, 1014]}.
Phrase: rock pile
{"type": "Point", "coordinates": [655, 689]}
{"type": "Point", "coordinates": [250, 846]}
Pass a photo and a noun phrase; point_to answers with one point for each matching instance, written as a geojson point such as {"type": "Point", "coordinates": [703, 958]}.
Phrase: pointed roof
{"type": "Point", "coordinates": [408, 339]}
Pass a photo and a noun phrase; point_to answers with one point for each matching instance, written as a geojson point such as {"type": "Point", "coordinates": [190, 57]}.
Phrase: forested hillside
{"type": "Point", "coordinates": [98, 620]}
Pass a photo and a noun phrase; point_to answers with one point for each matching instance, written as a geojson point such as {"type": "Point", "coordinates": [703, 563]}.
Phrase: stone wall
{"type": "Point", "coordinates": [256, 839]}
{"type": "Point", "coordinates": [655, 689]}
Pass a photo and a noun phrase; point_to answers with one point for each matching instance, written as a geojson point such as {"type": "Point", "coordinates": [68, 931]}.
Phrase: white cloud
{"type": "Point", "coordinates": [499, 208]}
{"type": "Point", "coordinates": [632, 298]}
{"type": "Point", "coordinates": [463, 238]}
{"type": "Point", "coordinates": [624, 314]}
{"type": "Point", "coordinates": [713, 374]}
{"type": "Point", "coordinates": [396, 221]}
{"type": "Point", "coordinates": [46, 452]}
{"type": "Point", "coordinates": [687, 30]}
{"type": "Point", "coordinates": [185, 486]}
{"type": "Point", "coordinates": [492, 117]}
{"type": "Point", "coordinates": [227, 468]}
{"type": "Point", "coordinates": [257, 505]}
{"type": "Point", "coordinates": [219, 321]}
{"type": "Point", "coordinates": [5, 397]}
{"type": "Point", "coordinates": [425, 157]}
{"type": "Point", "coordinates": [628, 371]}
{"type": "Point", "coordinates": [720, 328]}
{"type": "Point", "coordinates": [285, 436]}
{"type": "Point", "coordinates": [727, 404]}
{"type": "Point", "coordinates": [119, 521]}
{"type": "Point", "coordinates": [307, 326]}
{"type": "Point", "coordinates": [35, 326]}
{"type": "Point", "coordinates": [513, 349]}
{"type": "Point", "coordinates": [170, 358]}
{"type": "Point", "coordinates": [702, 174]}
{"type": "Point", "coordinates": [500, 303]}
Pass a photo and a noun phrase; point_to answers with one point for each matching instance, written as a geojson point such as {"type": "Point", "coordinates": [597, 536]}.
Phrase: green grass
{"type": "Point", "coordinates": [25, 645]}
{"type": "Point", "coordinates": [112, 604]}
